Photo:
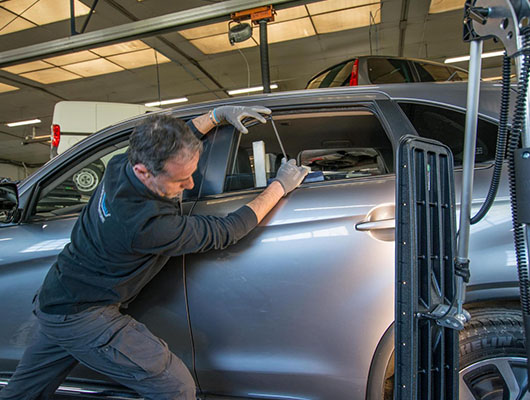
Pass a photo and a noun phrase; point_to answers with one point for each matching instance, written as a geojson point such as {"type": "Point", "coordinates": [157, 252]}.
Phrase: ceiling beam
{"type": "Point", "coordinates": [143, 28]}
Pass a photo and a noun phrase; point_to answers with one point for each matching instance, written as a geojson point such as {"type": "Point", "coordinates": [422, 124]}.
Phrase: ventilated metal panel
{"type": "Point", "coordinates": [426, 353]}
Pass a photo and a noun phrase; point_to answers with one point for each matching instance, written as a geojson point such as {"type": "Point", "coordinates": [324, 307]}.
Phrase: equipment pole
{"type": "Point", "coordinates": [264, 53]}
{"type": "Point", "coordinates": [473, 89]}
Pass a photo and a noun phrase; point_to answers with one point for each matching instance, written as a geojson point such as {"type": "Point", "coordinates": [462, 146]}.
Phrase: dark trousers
{"type": "Point", "coordinates": [106, 341]}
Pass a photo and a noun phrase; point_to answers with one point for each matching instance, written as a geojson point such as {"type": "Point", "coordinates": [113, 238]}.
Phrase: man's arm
{"type": "Point", "coordinates": [288, 178]}
{"type": "Point", "coordinates": [265, 202]}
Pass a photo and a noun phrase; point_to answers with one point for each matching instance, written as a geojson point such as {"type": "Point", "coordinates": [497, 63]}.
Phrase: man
{"type": "Point", "coordinates": [123, 237]}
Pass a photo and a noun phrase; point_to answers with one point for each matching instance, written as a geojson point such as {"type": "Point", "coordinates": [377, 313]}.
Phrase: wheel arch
{"type": "Point", "coordinates": [381, 366]}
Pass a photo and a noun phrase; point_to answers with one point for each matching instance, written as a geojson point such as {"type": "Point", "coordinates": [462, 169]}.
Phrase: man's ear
{"type": "Point", "coordinates": [141, 171]}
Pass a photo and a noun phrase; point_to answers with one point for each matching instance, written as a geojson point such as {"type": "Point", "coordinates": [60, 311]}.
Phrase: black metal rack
{"type": "Point", "coordinates": [426, 340]}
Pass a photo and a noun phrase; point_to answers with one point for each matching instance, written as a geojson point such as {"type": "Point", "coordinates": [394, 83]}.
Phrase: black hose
{"type": "Point", "coordinates": [513, 143]}
{"type": "Point", "coordinates": [502, 137]}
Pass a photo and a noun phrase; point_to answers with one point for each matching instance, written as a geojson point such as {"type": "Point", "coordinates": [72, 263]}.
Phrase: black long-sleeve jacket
{"type": "Point", "coordinates": [122, 239]}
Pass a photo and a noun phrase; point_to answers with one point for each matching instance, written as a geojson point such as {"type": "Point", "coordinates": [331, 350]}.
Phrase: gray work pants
{"type": "Point", "coordinates": [107, 341]}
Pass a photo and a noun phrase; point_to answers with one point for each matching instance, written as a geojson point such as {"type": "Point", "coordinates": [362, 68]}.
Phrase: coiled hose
{"type": "Point", "coordinates": [518, 126]}
{"type": "Point", "coordinates": [502, 137]}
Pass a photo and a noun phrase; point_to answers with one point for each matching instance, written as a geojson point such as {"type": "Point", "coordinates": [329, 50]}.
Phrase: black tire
{"type": "Point", "coordinates": [493, 355]}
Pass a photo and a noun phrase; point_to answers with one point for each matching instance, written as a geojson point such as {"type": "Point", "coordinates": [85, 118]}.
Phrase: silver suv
{"type": "Point", "coordinates": [303, 307]}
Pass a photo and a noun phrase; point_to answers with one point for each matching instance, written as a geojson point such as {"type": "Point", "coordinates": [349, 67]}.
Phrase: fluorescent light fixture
{"type": "Point", "coordinates": [20, 123]}
{"type": "Point", "coordinates": [466, 58]}
{"type": "Point", "coordinates": [166, 102]}
{"type": "Point", "coordinates": [250, 90]}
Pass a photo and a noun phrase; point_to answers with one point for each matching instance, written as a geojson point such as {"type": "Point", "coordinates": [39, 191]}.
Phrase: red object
{"type": "Point", "coordinates": [354, 79]}
{"type": "Point", "coordinates": [56, 135]}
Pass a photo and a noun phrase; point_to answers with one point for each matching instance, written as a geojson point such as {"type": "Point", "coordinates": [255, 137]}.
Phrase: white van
{"type": "Point", "coordinates": [74, 120]}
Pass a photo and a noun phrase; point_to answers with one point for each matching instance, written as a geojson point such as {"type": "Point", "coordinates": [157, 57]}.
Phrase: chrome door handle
{"type": "Point", "coordinates": [389, 223]}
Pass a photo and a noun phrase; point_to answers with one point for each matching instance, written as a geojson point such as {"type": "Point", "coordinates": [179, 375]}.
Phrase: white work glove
{"type": "Point", "coordinates": [235, 114]}
{"type": "Point", "coordinates": [289, 175]}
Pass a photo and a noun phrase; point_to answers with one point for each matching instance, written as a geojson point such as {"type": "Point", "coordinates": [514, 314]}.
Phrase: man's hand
{"type": "Point", "coordinates": [289, 175]}
{"type": "Point", "coordinates": [235, 114]}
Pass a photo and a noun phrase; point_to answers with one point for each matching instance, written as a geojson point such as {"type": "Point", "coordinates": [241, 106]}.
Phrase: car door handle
{"type": "Point", "coordinates": [377, 225]}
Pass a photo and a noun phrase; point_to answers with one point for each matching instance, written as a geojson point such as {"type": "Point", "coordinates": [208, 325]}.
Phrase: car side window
{"type": "Point", "coordinates": [388, 70]}
{"type": "Point", "coordinates": [69, 193]}
{"type": "Point", "coordinates": [438, 73]}
{"type": "Point", "coordinates": [331, 145]}
{"type": "Point", "coordinates": [448, 126]}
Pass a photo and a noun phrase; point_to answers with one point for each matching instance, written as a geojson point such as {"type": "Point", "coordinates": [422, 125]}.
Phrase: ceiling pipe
{"type": "Point", "coordinates": [133, 30]}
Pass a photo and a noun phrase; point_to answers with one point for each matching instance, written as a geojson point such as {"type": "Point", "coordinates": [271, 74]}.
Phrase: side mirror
{"type": "Point", "coordinates": [8, 202]}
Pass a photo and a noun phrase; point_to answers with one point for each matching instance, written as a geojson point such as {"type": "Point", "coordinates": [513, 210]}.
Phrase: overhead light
{"type": "Point", "coordinates": [20, 123]}
{"type": "Point", "coordinates": [250, 90]}
{"type": "Point", "coordinates": [347, 19]}
{"type": "Point", "coordinates": [321, 7]}
{"type": "Point", "coordinates": [466, 58]}
{"type": "Point", "coordinates": [95, 67]}
{"type": "Point", "coordinates": [6, 88]}
{"type": "Point", "coordinates": [439, 6]}
{"type": "Point", "coordinates": [139, 59]}
{"type": "Point", "coordinates": [27, 67]}
{"type": "Point", "coordinates": [166, 102]}
{"type": "Point", "coordinates": [120, 48]}
{"type": "Point", "coordinates": [50, 75]}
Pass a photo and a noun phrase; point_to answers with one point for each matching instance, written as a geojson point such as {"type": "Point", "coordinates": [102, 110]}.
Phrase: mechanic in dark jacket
{"type": "Point", "coordinates": [123, 237]}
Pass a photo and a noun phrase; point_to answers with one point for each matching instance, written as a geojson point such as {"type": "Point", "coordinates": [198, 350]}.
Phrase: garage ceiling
{"type": "Point", "coordinates": [197, 62]}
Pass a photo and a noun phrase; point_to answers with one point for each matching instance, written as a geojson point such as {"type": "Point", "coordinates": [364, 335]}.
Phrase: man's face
{"type": "Point", "coordinates": [175, 178]}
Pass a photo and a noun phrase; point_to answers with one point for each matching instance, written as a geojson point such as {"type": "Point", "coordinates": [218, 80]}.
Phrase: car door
{"type": "Point", "coordinates": [28, 249]}
{"type": "Point", "coordinates": [295, 309]}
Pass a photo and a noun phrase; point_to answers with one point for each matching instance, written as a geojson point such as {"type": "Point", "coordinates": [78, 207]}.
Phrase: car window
{"type": "Point", "coordinates": [448, 126]}
{"type": "Point", "coordinates": [70, 192]}
{"type": "Point", "coordinates": [428, 72]}
{"type": "Point", "coordinates": [388, 70]}
{"type": "Point", "coordinates": [336, 76]}
{"type": "Point", "coordinates": [331, 145]}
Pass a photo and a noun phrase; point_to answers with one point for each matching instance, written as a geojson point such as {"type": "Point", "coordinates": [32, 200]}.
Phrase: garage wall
{"type": "Point", "coordinates": [14, 172]}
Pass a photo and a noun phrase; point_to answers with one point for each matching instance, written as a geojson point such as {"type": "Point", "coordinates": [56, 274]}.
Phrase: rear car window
{"type": "Point", "coordinates": [384, 70]}
{"type": "Point", "coordinates": [331, 145]}
{"type": "Point", "coordinates": [448, 126]}
{"type": "Point", "coordinates": [438, 73]}
{"type": "Point", "coordinates": [337, 76]}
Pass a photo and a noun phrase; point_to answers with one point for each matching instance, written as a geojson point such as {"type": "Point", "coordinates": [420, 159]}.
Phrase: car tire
{"type": "Point", "coordinates": [493, 355]}
{"type": "Point", "coordinates": [88, 178]}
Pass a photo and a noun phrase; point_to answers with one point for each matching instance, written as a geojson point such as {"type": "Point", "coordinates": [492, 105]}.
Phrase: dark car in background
{"type": "Point", "coordinates": [370, 70]}
{"type": "Point", "coordinates": [303, 307]}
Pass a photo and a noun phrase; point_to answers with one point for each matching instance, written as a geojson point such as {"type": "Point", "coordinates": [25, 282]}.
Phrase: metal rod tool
{"type": "Point", "coordinates": [278, 136]}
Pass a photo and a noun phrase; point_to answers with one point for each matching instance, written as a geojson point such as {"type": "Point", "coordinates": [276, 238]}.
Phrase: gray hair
{"type": "Point", "coordinates": [159, 138]}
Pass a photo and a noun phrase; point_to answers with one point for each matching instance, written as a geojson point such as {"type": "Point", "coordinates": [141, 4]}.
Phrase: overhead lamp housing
{"type": "Point", "coordinates": [239, 33]}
